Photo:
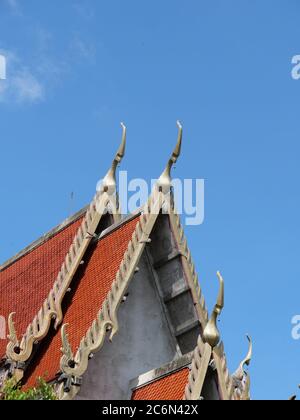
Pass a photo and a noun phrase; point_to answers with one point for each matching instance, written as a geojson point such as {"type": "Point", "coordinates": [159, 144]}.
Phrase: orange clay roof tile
{"type": "Point", "coordinates": [170, 387]}
{"type": "Point", "coordinates": [89, 289]}
{"type": "Point", "coordinates": [26, 283]}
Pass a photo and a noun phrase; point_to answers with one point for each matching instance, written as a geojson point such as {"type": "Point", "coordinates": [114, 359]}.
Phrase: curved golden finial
{"type": "Point", "coordinates": [121, 151]}
{"type": "Point", "coordinates": [211, 334]}
{"type": "Point", "coordinates": [109, 181]}
{"type": "Point", "coordinates": [240, 372]}
{"type": "Point", "coordinates": [164, 181]}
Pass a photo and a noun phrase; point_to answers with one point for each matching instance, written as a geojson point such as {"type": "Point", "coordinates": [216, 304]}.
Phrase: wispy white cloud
{"type": "Point", "coordinates": [31, 78]}
{"type": "Point", "coordinates": [21, 84]}
{"type": "Point", "coordinates": [27, 87]}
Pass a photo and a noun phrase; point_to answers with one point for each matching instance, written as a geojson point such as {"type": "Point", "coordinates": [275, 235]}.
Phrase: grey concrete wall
{"type": "Point", "coordinates": [173, 286]}
{"type": "Point", "coordinates": [143, 342]}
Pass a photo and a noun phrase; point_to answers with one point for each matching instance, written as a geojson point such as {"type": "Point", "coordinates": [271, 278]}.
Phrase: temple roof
{"type": "Point", "coordinates": [66, 289]}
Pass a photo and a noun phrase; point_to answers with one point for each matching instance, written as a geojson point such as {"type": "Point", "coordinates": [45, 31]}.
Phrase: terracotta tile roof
{"type": "Point", "coordinates": [90, 287]}
{"type": "Point", "coordinates": [170, 387]}
{"type": "Point", "coordinates": [25, 284]}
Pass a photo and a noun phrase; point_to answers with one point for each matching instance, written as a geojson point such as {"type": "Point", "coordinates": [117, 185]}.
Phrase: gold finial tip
{"type": "Point", "coordinates": [248, 358]}
{"type": "Point", "coordinates": [220, 301]}
{"type": "Point", "coordinates": [179, 125]}
{"type": "Point", "coordinates": [109, 181]}
{"type": "Point", "coordinates": [246, 361]}
{"type": "Point", "coordinates": [121, 151]}
{"type": "Point", "coordinates": [211, 333]}
{"type": "Point", "coordinates": [240, 372]}
{"type": "Point", "coordinates": [177, 150]}
{"type": "Point", "coordinates": [165, 179]}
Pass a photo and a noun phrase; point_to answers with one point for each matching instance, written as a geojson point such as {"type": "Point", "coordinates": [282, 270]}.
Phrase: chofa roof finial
{"type": "Point", "coordinates": [109, 181]}
{"type": "Point", "coordinates": [240, 372]}
{"type": "Point", "coordinates": [211, 334]}
{"type": "Point", "coordinates": [164, 181]}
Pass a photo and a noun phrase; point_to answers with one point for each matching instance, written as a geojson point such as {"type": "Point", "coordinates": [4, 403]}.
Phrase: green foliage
{"type": "Point", "coordinates": [42, 391]}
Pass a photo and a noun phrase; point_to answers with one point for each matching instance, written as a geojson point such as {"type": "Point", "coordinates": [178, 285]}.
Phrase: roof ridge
{"type": "Point", "coordinates": [59, 228]}
{"type": "Point", "coordinates": [107, 316]}
{"type": "Point", "coordinates": [106, 319]}
{"type": "Point", "coordinates": [51, 309]}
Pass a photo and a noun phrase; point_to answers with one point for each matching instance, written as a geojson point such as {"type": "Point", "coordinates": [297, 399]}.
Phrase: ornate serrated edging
{"type": "Point", "coordinates": [242, 389]}
{"type": "Point", "coordinates": [107, 317]}
{"type": "Point", "coordinates": [237, 386]}
{"type": "Point", "coordinates": [189, 267]}
{"type": "Point", "coordinates": [224, 377]}
{"type": "Point", "coordinates": [208, 350]}
{"type": "Point", "coordinates": [51, 309]}
{"type": "Point", "coordinates": [199, 366]}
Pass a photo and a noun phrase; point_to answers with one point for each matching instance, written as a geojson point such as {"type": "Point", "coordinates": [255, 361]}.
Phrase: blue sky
{"type": "Point", "coordinates": [78, 68]}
